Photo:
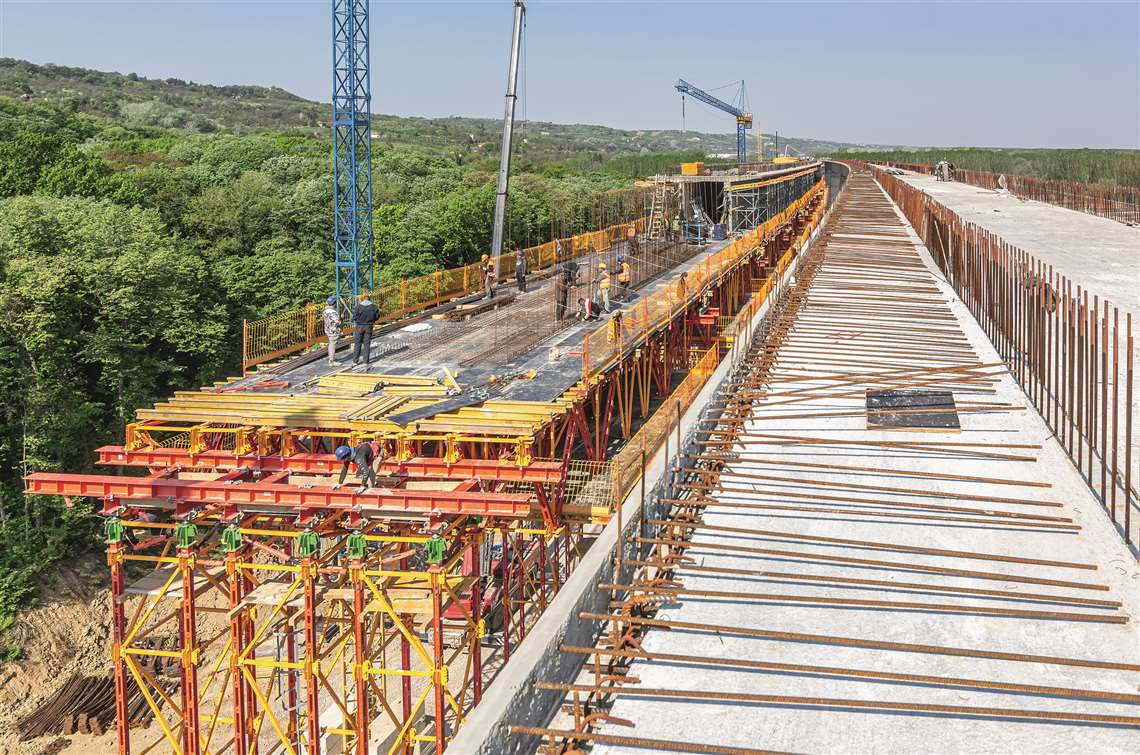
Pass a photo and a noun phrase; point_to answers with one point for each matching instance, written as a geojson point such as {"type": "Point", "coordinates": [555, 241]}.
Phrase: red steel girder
{"type": "Point", "coordinates": [463, 469]}
{"type": "Point", "coordinates": [260, 496]}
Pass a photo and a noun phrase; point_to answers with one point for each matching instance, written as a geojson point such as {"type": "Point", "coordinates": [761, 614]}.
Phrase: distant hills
{"type": "Point", "coordinates": [174, 103]}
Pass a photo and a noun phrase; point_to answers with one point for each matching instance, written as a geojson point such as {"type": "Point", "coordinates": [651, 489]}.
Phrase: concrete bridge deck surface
{"type": "Point", "coordinates": [1099, 254]}
{"type": "Point", "coordinates": [992, 548]}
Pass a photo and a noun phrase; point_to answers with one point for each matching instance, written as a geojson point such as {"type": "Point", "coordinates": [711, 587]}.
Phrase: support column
{"type": "Point", "coordinates": [188, 631]}
{"type": "Point", "coordinates": [542, 572]}
{"type": "Point", "coordinates": [405, 663]}
{"type": "Point", "coordinates": [505, 567]}
{"type": "Point", "coordinates": [238, 692]}
{"type": "Point", "coordinates": [477, 620]}
{"type": "Point", "coordinates": [312, 681]}
{"type": "Point", "coordinates": [439, 672]}
{"type": "Point", "coordinates": [118, 633]}
{"type": "Point", "coordinates": [360, 650]}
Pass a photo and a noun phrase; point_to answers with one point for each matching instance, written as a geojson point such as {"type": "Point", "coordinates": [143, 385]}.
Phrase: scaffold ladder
{"type": "Point", "coordinates": [657, 210]}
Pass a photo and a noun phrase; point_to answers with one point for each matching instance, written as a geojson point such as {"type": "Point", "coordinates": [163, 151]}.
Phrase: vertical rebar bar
{"type": "Point", "coordinates": [1115, 402]}
{"type": "Point", "coordinates": [1128, 430]}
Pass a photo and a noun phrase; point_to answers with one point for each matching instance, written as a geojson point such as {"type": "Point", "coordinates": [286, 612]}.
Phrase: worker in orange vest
{"type": "Point", "coordinates": [625, 278]}
{"type": "Point", "coordinates": [631, 239]}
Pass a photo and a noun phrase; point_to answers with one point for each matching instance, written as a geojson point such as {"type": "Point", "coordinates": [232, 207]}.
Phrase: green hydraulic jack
{"type": "Point", "coordinates": [113, 531]}
{"type": "Point", "coordinates": [354, 544]}
{"type": "Point", "coordinates": [186, 533]}
{"type": "Point", "coordinates": [308, 544]}
{"type": "Point", "coordinates": [231, 538]}
{"type": "Point", "coordinates": [435, 549]}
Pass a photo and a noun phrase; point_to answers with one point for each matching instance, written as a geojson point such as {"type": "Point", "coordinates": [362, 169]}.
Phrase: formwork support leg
{"type": "Point", "coordinates": [191, 732]}
{"type": "Point", "coordinates": [438, 674]}
{"type": "Point", "coordinates": [312, 681]}
{"type": "Point", "coordinates": [238, 691]}
{"type": "Point", "coordinates": [118, 633]}
{"type": "Point", "coordinates": [505, 566]}
{"type": "Point", "coordinates": [477, 620]}
{"type": "Point", "coordinates": [405, 665]}
{"type": "Point", "coordinates": [360, 659]}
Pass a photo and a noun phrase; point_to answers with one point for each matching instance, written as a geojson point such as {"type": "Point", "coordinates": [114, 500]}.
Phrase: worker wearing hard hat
{"type": "Point", "coordinates": [487, 268]}
{"type": "Point", "coordinates": [362, 456]}
{"type": "Point", "coordinates": [333, 326]}
{"type": "Point", "coordinates": [624, 278]}
{"type": "Point", "coordinates": [603, 281]}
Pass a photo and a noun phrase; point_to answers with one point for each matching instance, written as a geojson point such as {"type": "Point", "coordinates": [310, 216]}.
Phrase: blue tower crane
{"type": "Point", "coordinates": [743, 119]}
{"type": "Point", "coordinates": [351, 151]}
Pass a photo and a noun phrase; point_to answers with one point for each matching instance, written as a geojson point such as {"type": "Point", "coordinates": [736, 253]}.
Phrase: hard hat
{"type": "Point", "coordinates": [602, 266]}
{"type": "Point", "coordinates": [331, 300]}
{"type": "Point", "coordinates": [621, 258]}
{"type": "Point", "coordinates": [343, 452]}
{"type": "Point", "coordinates": [484, 258]}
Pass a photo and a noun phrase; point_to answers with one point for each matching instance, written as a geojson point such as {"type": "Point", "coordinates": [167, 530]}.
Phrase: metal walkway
{"type": "Point", "coordinates": [844, 570]}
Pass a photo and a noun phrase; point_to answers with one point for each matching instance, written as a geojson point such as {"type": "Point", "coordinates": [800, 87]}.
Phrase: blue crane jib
{"type": "Point", "coordinates": [743, 119]}
{"type": "Point", "coordinates": [351, 150]}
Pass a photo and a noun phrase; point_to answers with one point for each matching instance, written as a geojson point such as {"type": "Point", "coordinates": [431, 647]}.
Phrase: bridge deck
{"type": "Point", "coordinates": [934, 566]}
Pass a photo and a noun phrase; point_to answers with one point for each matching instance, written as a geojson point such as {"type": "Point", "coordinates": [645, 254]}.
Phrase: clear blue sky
{"type": "Point", "coordinates": [990, 74]}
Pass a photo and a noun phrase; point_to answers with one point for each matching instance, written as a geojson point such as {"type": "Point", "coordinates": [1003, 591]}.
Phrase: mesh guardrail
{"type": "Point", "coordinates": [603, 344]}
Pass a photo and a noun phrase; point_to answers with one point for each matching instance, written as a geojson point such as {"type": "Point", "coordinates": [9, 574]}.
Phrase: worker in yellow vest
{"type": "Point", "coordinates": [625, 278]}
{"type": "Point", "coordinates": [487, 268]}
{"type": "Point", "coordinates": [603, 281]}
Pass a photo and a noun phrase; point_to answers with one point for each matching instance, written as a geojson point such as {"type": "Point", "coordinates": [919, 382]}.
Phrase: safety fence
{"type": "Point", "coordinates": [288, 332]}
{"type": "Point", "coordinates": [626, 468]}
{"type": "Point", "coordinates": [1120, 203]}
{"type": "Point", "coordinates": [614, 337]}
{"type": "Point", "coordinates": [1073, 357]}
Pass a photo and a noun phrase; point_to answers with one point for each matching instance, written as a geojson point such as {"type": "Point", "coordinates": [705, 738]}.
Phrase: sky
{"type": "Point", "coordinates": [909, 73]}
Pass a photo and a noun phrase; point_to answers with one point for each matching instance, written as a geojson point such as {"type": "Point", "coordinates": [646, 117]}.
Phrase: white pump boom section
{"type": "Point", "coordinates": [508, 129]}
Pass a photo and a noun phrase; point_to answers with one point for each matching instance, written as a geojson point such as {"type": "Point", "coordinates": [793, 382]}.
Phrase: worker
{"type": "Point", "coordinates": [520, 270]}
{"type": "Point", "coordinates": [613, 328]}
{"type": "Point", "coordinates": [587, 309]}
{"type": "Point", "coordinates": [566, 279]}
{"type": "Point", "coordinates": [603, 281]}
{"type": "Point", "coordinates": [333, 326]}
{"type": "Point", "coordinates": [624, 277]}
{"type": "Point", "coordinates": [631, 239]}
{"type": "Point", "coordinates": [675, 228]}
{"type": "Point", "coordinates": [487, 268]}
{"type": "Point", "coordinates": [364, 316]}
{"type": "Point", "coordinates": [361, 455]}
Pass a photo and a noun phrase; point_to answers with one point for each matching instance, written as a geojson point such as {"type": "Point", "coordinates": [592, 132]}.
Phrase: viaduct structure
{"type": "Point", "coordinates": [258, 605]}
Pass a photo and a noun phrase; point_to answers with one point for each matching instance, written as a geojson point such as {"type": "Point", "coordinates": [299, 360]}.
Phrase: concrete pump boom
{"type": "Point", "coordinates": [508, 129]}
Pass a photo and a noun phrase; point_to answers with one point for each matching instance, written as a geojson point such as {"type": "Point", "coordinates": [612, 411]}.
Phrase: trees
{"type": "Point", "coordinates": [102, 312]}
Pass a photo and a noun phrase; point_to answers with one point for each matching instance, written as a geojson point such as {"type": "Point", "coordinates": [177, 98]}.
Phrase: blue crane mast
{"type": "Point", "coordinates": [351, 151]}
{"type": "Point", "coordinates": [743, 118]}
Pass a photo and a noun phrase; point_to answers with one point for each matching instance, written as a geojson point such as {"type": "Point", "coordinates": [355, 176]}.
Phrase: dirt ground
{"type": "Point", "coordinates": [66, 633]}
